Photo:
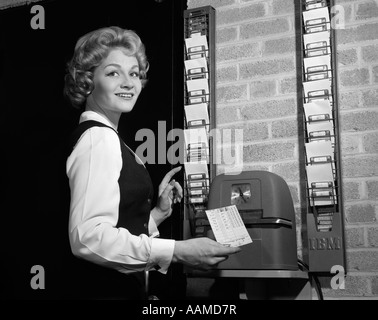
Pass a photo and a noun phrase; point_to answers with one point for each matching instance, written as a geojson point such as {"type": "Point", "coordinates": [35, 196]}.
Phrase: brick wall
{"type": "Point", "coordinates": [256, 60]}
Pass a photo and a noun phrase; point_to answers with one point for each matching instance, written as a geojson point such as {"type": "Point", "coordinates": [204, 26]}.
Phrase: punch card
{"type": "Point", "coordinates": [228, 226]}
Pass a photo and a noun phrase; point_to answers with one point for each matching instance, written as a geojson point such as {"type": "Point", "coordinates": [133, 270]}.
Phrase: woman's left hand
{"type": "Point", "coordinates": [170, 192]}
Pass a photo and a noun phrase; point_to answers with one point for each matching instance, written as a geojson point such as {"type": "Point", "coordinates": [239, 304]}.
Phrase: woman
{"type": "Point", "coordinates": [112, 225]}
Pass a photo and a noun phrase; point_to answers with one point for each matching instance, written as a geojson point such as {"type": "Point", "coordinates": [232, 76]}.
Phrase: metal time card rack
{"type": "Point", "coordinates": [325, 218]}
{"type": "Point", "coordinates": [199, 104]}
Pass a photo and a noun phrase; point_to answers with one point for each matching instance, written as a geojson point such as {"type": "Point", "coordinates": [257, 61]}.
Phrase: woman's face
{"type": "Point", "coordinates": [116, 84]}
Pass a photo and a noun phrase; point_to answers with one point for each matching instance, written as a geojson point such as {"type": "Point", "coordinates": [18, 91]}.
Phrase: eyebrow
{"type": "Point", "coordinates": [119, 66]}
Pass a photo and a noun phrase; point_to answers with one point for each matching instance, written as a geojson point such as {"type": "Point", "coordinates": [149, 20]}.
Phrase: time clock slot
{"type": "Point", "coordinates": [251, 212]}
{"type": "Point", "coordinates": [250, 216]}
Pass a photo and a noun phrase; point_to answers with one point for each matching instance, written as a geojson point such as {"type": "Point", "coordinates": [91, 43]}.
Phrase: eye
{"type": "Point", "coordinates": [112, 74]}
{"type": "Point", "coordinates": [135, 74]}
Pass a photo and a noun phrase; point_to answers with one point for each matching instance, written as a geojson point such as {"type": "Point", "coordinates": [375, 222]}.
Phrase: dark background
{"type": "Point", "coordinates": [36, 121]}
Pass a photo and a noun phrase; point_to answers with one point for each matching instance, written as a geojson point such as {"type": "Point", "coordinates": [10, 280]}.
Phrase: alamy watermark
{"type": "Point", "coordinates": [220, 146]}
{"type": "Point", "coordinates": [38, 20]}
{"type": "Point", "coordinates": [38, 280]}
{"type": "Point", "coordinates": [338, 280]}
{"type": "Point", "coordinates": [338, 18]}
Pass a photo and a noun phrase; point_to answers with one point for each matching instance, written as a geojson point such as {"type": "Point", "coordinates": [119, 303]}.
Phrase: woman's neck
{"type": "Point", "coordinates": [112, 117]}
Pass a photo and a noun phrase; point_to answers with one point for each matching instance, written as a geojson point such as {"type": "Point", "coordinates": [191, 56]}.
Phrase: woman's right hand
{"type": "Point", "coordinates": [201, 253]}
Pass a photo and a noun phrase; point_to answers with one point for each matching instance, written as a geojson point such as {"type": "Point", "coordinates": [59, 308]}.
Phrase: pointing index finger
{"type": "Point", "coordinates": [170, 174]}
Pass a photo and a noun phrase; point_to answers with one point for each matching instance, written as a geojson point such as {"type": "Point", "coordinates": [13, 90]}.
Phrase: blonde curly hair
{"type": "Point", "coordinates": [90, 50]}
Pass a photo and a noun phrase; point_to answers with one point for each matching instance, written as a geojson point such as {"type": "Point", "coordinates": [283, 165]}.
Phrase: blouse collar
{"type": "Point", "coordinates": [91, 115]}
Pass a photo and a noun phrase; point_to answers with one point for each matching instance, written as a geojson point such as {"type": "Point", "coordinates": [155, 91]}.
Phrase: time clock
{"type": "Point", "coordinates": [240, 193]}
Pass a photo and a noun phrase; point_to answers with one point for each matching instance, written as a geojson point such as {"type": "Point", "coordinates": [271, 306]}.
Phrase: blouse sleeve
{"type": "Point", "coordinates": [93, 169]}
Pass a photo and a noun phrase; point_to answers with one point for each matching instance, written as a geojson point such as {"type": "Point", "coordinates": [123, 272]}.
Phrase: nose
{"type": "Point", "coordinates": [127, 83]}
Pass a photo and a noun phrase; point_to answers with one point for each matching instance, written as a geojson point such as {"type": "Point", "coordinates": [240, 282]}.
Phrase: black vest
{"type": "Point", "coordinates": [136, 193]}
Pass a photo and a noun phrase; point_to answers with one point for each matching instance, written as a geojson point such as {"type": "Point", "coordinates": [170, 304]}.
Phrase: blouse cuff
{"type": "Point", "coordinates": [162, 253]}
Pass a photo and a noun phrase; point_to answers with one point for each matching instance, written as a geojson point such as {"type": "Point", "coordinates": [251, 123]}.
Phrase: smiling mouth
{"type": "Point", "coordinates": [125, 96]}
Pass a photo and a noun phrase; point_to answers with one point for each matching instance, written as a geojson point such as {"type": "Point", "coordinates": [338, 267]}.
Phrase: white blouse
{"type": "Point", "coordinates": [93, 169]}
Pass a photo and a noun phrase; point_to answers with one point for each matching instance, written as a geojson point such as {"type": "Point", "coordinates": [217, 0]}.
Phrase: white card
{"type": "Point", "coordinates": [320, 181]}
{"type": "Point", "coordinates": [317, 43]}
{"type": "Point", "coordinates": [319, 151]}
{"type": "Point", "coordinates": [318, 67]}
{"type": "Point", "coordinates": [196, 47]}
{"type": "Point", "coordinates": [197, 115]}
{"type": "Point", "coordinates": [197, 174]}
{"type": "Point", "coordinates": [228, 226]}
{"type": "Point", "coordinates": [318, 89]}
{"type": "Point", "coordinates": [321, 130]}
{"type": "Point", "coordinates": [198, 87]}
{"type": "Point", "coordinates": [196, 68]}
{"type": "Point", "coordinates": [196, 144]}
{"type": "Point", "coordinates": [318, 110]}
